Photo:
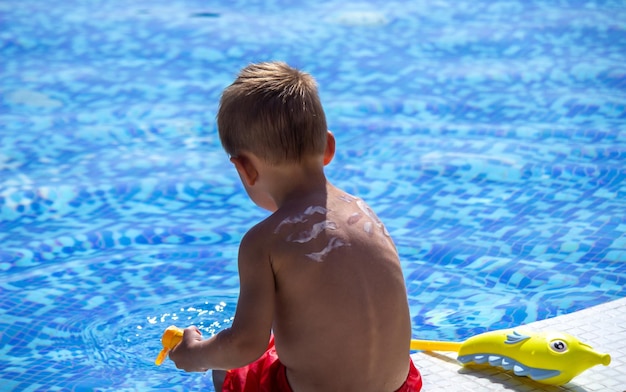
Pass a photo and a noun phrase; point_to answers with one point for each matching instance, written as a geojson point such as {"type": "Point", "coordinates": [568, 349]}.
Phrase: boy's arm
{"type": "Point", "coordinates": [249, 335]}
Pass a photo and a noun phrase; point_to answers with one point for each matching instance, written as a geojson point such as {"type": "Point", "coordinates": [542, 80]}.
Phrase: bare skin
{"type": "Point", "coordinates": [323, 274]}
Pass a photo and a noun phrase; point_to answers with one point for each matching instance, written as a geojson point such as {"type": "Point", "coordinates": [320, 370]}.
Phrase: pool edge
{"type": "Point", "coordinates": [602, 326]}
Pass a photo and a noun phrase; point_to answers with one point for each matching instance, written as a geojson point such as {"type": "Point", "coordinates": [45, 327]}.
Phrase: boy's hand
{"type": "Point", "coordinates": [187, 355]}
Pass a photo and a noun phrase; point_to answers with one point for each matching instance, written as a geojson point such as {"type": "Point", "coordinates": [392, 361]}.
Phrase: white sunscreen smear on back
{"type": "Point", "coordinates": [306, 236]}
{"type": "Point", "coordinates": [315, 210]}
{"type": "Point", "coordinates": [354, 218]}
{"type": "Point", "coordinates": [301, 218]}
{"type": "Point", "coordinates": [334, 242]}
{"type": "Point", "coordinates": [314, 230]}
{"type": "Point", "coordinates": [347, 198]}
{"type": "Point", "coordinates": [367, 226]}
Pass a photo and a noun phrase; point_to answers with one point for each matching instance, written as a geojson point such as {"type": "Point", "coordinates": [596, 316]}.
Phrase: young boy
{"type": "Point", "coordinates": [320, 278]}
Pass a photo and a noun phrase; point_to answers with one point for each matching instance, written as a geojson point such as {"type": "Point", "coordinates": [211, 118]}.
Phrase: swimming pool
{"type": "Point", "coordinates": [490, 137]}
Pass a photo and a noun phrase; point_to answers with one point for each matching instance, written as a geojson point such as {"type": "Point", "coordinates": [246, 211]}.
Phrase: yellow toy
{"type": "Point", "coordinates": [170, 339]}
{"type": "Point", "coordinates": [550, 358]}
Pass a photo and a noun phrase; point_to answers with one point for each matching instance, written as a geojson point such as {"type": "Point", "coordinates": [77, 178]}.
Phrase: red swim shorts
{"type": "Point", "coordinates": [267, 374]}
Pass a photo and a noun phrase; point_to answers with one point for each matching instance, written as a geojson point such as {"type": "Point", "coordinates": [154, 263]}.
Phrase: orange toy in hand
{"type": "Point", "coordinates": [171, 337]}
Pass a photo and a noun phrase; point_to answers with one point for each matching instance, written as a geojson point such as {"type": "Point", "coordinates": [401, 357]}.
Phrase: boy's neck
{"type": "Point", "coordinates": [289, 182]}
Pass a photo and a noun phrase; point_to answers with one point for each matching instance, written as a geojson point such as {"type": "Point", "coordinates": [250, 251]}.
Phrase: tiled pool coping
{"type": "Point", "coordinates": [603, 327]}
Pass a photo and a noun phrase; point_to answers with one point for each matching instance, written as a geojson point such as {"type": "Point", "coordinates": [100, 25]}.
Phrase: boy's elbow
{"type": "Point", "coordinates": [251, 353]}
{"type": "Point", "coordinates": [246, 349]}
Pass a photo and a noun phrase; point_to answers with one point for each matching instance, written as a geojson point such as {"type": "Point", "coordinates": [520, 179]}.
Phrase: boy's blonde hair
{"type": "Point", "coordinates": [274, 112]}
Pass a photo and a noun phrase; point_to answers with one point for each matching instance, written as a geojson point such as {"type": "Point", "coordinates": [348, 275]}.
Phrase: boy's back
{"type": "Point", "coordinates": [341, 314]}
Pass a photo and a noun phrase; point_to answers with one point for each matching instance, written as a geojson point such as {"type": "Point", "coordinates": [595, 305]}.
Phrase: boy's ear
{"type": "Point", "coordinates": [329, 152]}
{"type": "Point", "coordinates": [247, 172]}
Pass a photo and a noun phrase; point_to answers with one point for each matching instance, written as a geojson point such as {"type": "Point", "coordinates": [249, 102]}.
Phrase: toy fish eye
{"type": "Point", "coordinates": [558, 346]}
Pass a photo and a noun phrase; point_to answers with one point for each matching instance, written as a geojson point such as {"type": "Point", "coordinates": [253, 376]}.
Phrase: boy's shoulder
{"type": "Point", "coordinates": [294, 213]}
{"type": "Point", "coordinates": [339, 210]}
{"type": "Point", "coordinates": [280, 223]}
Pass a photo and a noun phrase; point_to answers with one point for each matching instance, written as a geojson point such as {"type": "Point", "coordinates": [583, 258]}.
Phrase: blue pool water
{"type": "Point", "coordinates": [490, 137]}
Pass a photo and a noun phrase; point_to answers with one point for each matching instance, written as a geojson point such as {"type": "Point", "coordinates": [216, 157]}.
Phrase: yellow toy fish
{"type": "Point", "coordinates": [550, 357]}
{"type": "Point", "coordinates": [170, 339]}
